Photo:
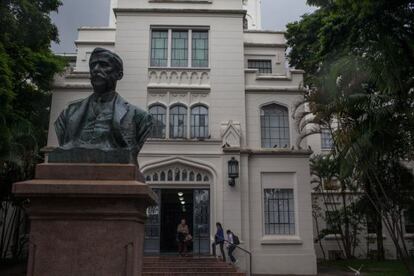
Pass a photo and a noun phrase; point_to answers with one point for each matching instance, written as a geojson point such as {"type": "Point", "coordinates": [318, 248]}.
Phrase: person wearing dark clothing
{"type": "Point", "coordinates": [231, 246]}
{"type": "Point", "coordinates": [219, 240]}
{"type": "Point", "coordinates": [182, 233]}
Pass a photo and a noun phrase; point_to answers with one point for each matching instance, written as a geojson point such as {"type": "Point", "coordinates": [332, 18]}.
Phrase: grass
{"type": "Point", "coordinates": [370, 267]}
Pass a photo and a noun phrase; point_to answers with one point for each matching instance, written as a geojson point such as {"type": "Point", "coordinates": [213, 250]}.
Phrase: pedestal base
{"type": "Point", "coordinates": [92, 225]}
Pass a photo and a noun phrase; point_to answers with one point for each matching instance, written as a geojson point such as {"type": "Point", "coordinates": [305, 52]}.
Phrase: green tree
{"type": "Point", "coordinates": [27, 68]}
{"type": "Point", "coordinates": [359, 58]}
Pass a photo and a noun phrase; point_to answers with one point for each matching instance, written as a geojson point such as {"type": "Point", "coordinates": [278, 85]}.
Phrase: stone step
{"type": "Point", "coordinates": [189, 269]}
{"type": "Point", "coordinates": [193, 273]}
{"type": "Point", "coordinates": [172, 264]}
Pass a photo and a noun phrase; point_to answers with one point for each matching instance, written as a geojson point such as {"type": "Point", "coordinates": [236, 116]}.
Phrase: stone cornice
{"type": "Point", "coordinates": [188, 11]}
{"type": "Point", "coordinates": [270, 152]}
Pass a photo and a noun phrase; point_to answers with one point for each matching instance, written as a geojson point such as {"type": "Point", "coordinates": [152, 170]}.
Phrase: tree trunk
{"type": "Point", "coordinates": [380, 240]}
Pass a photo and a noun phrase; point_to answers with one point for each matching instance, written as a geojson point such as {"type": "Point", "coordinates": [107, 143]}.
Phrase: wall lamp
{"type": "Point", "coordinates": [233, 171]}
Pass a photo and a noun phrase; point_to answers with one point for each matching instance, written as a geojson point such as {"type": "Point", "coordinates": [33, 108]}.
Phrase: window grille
{"type": "Point", "coordinates": [275, 126]}
{"type": "Point", "coordinates": [199, 122]}
{"type": "Point", "coordinates": [199, 49]}
{"type": "Point", "coordinates": [326, 139]}
{"type": "Point", "coordinates": [178, 122]}
{"type": "Point", "coordinates": [158, 113]}
{"type": "Point", "coordinates": [264, 66]}
{"type": "Point", "coordinates": [159, 48]}
{"type": "Point", "coordinates": [179, 49]}
{"type": "Point", "coordinates": [279, 212]}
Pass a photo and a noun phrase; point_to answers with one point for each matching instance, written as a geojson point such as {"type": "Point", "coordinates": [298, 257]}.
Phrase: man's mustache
{"type": "Point", "coordinates": [98, 76]}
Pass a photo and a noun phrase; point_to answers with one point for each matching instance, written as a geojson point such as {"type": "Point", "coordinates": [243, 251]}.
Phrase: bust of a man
{"type": "Point", "coordinates": [104, 120]}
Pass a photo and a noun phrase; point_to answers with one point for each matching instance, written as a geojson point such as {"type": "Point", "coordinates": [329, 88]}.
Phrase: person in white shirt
{"type": "Point", "coordinates": [230, 246]}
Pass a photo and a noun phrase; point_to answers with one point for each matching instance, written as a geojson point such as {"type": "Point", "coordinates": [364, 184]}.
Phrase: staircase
{"type": "Point", "coordinates": [187, 266]}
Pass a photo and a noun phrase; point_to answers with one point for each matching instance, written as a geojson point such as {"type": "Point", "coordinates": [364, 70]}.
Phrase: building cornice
{"type": "Point", "coordinates": [264, 45]}
{"type": "Point", "coordinates": [272, 89]}
{"type": "Point", "coordinates": [187, 11]}
{"type": "Point", "coordinates": [270, 152]}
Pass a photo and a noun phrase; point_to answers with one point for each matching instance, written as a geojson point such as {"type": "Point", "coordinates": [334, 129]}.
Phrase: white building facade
{"type": "Point", "coordinates": [220, 94]}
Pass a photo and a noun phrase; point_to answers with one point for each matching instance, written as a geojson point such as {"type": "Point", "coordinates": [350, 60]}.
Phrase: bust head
{"type": "Point", "coordinates": [106, 69]}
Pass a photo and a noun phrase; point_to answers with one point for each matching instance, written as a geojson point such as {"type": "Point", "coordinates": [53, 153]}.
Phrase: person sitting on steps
{"type": "Point", "coordinates": [219, 240]}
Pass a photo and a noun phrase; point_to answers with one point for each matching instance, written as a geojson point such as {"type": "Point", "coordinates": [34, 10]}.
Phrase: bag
{"type": "Point", "coordinates": [236, 240]}
{"type": "Point", "coordinates": [188, 238]}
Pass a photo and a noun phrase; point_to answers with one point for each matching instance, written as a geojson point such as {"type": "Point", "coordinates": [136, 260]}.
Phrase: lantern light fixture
{"type": "Point", "coordinates": [233, 170]}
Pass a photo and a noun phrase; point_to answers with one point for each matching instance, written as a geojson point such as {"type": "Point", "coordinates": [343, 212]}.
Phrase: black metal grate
{"type": "Point", "coordinates": [279, 212]}
{"type": "Point", "coordinates": [159, 48]}
{"type": "Point", "coordinates": [326, 139]}
{"type": "Point", "coordinates": [264, 66]}
{"type": "Point", "coordinates": [199, 122]}
{"type": "Point", "coordinates": [178, 121]}
{"type": "Point", "coordinates": [159, 115]}
{"type": "Point", "coordinates": [275, 126]}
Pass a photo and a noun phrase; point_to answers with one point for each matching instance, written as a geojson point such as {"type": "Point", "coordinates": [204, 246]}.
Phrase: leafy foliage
{"type": "Point", "coordinates": [360, 72]}
{"type": "Point", "coordinates": [27, 67]}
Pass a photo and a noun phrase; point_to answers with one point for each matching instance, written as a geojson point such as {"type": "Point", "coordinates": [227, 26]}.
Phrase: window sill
{"type": "Point", "coordinates": [409, 236]}
{"type": "Point", "coordinates": [332, 237]}
{"type": "Point", "coordinates": [373, 236]}
{"type": "Point", "coordinates": [276, 239]}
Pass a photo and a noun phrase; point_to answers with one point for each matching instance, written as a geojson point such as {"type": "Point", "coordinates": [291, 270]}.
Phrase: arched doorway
{"type": "Point", "coordinates": [183, 192]}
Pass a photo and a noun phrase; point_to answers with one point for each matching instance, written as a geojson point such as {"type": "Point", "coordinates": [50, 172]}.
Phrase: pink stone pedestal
{"type": "Point", "coordinates": [86, 219]}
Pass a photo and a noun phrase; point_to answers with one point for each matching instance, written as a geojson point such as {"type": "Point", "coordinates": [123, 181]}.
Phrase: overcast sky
{"type": "Point", "coordinates": [76, 13]}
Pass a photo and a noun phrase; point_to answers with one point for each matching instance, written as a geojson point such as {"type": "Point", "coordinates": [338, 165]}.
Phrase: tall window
{"type": "Point", "coordinates": [199, 122]}
{"type": "Point", "coordinates": [179, 49]}
{"type": "Point", "coordinates": [408, 222]}
{"type": "Point", "coordinates": [326, 139]}
{"type": "Point", "coordinates": [159, 48]}
{"type": "Point", "coordinates": [178, 121]}
{"type": "Point", "coordinates": [264, 66]}
{"type": "Point", "coordinates": [279, 212]}
{"type": "Point", "coordinates": [332, 218]}
{"type": "Point", "coordinates": [275, 126]}
{"type": "Point", "coordinates": [200, 49]}
{"type": "Point", "coordinates": [158, 113]}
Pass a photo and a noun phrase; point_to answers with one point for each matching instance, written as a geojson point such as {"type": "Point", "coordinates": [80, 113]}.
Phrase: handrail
{"type": "Point", "coordinates": [245, 251]}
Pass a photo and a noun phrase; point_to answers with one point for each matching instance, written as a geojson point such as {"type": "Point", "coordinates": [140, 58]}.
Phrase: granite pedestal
{"type": "Point", "coordinates": [86, 219]}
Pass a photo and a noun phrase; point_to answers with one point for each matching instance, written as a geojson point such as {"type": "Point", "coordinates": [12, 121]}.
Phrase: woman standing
{"type": "Point", "coordinates": [219, 240]}
{"type": "Point", "coordinates": [182, 233]}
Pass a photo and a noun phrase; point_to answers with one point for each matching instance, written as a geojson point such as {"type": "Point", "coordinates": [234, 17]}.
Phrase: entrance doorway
{"type": "Point", "coordinates": [175, 204]}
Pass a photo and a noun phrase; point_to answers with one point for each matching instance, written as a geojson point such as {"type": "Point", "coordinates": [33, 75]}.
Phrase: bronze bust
{"type": "Point", "coordinates": [103, 121]}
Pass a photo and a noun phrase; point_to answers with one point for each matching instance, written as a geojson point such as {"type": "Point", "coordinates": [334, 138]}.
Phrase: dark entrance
{"type": "Point", "coordinates": [175, 205]}
{"type": "Point", "coordinates": [163, 219]}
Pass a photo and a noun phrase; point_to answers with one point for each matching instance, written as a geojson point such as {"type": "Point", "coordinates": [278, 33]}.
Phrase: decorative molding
{"type": "Point", "coordinates": [174, 78]}
{"type": "Point", "coordinates": [231, 134]}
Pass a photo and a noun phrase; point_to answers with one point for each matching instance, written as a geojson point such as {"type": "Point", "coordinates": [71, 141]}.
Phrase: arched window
{"type": "Point", "coordinates": [158, 113]}
{"type": "Point", "coordinates": [199, 122]}
{"type": "Point", "coordinates": [274, 126]}
{"type": "Point", "coordinates": [178, 121]}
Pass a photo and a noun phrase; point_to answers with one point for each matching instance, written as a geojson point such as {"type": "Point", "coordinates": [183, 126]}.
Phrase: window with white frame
{"type": "Point", "coordinates": [179, 48]}
{"type": "Point", "coordinates": [279, 212]}
{"type": "Point", "coordinates": [326, 139]}
{"type": "Point", "coordinates": [274, 121]}
{"type": "Point", "coordinates": [178, 121]}
{"type": "Point", "coordinates": [159, 117]}
{"type": "Point", "coordinates": [199, 122]}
